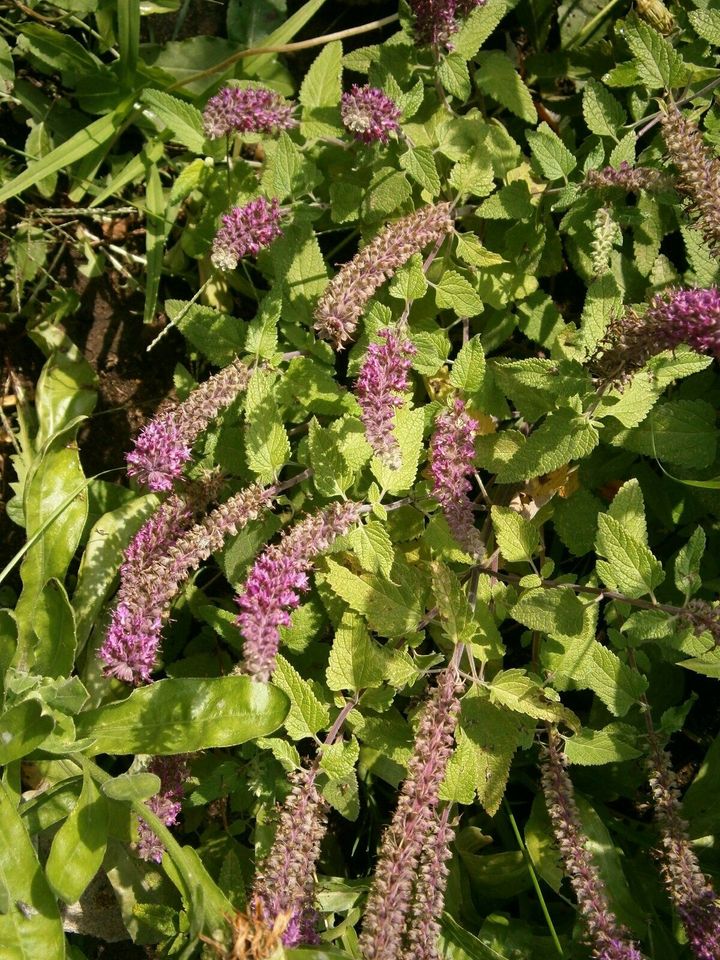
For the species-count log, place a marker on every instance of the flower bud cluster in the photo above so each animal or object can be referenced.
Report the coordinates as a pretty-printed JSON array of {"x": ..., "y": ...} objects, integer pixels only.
[
  {"x": 409, "y": 876},
  {"x": 345, "y": 297},
  {"x": 278, "y": 577},
  {"x": 246, "y": 110},
  {"x": 285, "y": 881},
  {"x": 163, "y": 447},
  {"x": 369, "y": 114}
]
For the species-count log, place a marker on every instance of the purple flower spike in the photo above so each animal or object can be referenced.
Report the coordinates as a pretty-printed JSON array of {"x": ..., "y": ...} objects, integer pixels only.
[
  {"x": 247, "y": 110},
  {"x": 369, "y": 114},
  {"x": 452, "y": 451},
  {"x": 285, "y": 881},
  {"x": 412, "y": 843},
  {"x": 163, "y": 447},
  {"x": 159, "y": 455},
  {"x": 166, "y": 804},
  {"x": 691, "y": 892},
  {"x": 606, "y": 936},
  {"x": 279, "y": 576},
  {"x": 380, "y": 388},
  {"x": 150, "y": 583},
  {"x": 687, "y": 316},
  {"x": 245, "y": 230}
]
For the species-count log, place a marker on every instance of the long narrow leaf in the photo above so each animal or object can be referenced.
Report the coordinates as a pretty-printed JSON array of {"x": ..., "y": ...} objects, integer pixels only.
[
  {"x": 128, "y": 12},
  {"x": 155, "y": 232},
  {"x": 78, "y": 146},
  {"x": 284, "y": 34}
]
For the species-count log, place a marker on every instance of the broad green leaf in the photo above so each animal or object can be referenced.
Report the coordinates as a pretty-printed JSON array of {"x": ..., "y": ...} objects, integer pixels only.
[
  {"x": 629, "y": 566},
  {"x": 602, "y": 304},
  {"x": 53, "y": 804},
  {"x": 282, "y": 168},
  {"x": 132, "y": 786},
  {"x": 420, "y": 164},
  {"x": 331, "y": 473},
  {"x": 498, "y": 78},
  {"x": 477, "y": 28},
  {"x": 563, "y": 437},
  {"x": 392, "y": 607},
  {"x": 681, "y": 432},
  {"x": 54, "y": 626},
  {"x": 454, "y": 292},
  {"x": 455, "y": 613},
  {"x": 306, "y": 714},
  {"x": 320, "y": 94},
  {"x": 182, "y": 119},
  {"x": 628, "y": 508},
  {"x": 55, "y": 51},
  {"x": 66, "y": 388},
  {"x": 603, "y": 113},
  {"x": 658, "y": 63},
  {"x": 517, "y": 538},
  {"x": 687, "y": 563},
  {"x": 31, "y": 928},
  {"x": 706, "y": 24},
  {"x": 300, "y": 269},
  {"x": 408, "y": 430},
  {"x": 372, "y": 546},
  {"x": 216, "y": 335},
  {"x": 338, "y": 760},
  {"x": 22, "y": 729},
  {"x": 555, "y": 160},
  {"x": 78, "y": 847},
  {"x": 356, "y": 661},
  {"x": 556, "y": 611},
  {"x": 52, "y": 480},
  {"x": 468, "y": 370},
  {"x": 410, "y": 282},
  {"x": 519, "y": 692},
  {"x": 453, "y": 74},
  {"x": 613, "y": 744},
  {"x": 266, "y": 441},
  {"x": 184, "y": 715}
]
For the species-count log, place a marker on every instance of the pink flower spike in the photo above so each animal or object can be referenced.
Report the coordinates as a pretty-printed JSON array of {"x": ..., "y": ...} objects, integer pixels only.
[
  {"x": 380, "y": 388},
  {"x": 452, "y": 451},
  {"x": 245, "y": 230}
]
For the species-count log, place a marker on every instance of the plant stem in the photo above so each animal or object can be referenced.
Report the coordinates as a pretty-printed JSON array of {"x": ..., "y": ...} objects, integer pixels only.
[
  {"x": 285, "y": 48},
  {"x": 533, "y": 877}
]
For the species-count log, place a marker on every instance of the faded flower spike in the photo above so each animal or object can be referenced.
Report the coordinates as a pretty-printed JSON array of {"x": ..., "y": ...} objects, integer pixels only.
[
  {"x": 607, "y": 938},
  {"x": 631, "y": 179},
  {"x": 131, "y": 645},
  {"x": 345, "y": 297},
  {"x": 452, "y": 452},
  {"x": 423, "y": 929},
  {"x": 691, "y": 892},
  {"x": 698, "y": 172},
  {"x": 246, "y": 110},
  {"x": 369, "y": 114},
  {"x": 437, "y": 20},
  {"x": 245, "y": 230},
  {"x": 164, "y": 445},
  {"x": 277, "y": 579},
  {"x": 380, "y": 388},
  {"x": 285, "y": 881},
  {"x": 166, "y": 805},
  {"x": 701, "y": 616},
  {"x": 413, "y": 833}
]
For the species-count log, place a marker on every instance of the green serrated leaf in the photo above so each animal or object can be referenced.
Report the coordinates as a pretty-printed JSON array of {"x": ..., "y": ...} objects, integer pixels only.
[
  {"x": 554, "y": 158},
  {"x": 603, "y": 113},
  {"x": 454, "y": 292},
  {"x": 658, "y": 63},
  {"x": 306, "y": 715},
  {"x": 498, "y": 78},
  {"x": 629, "y": 566},
  {"x": 517, "y": 538},
  {"x": 563, "y": 437}
]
